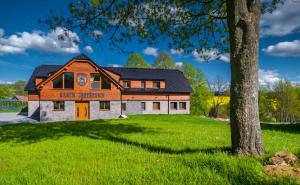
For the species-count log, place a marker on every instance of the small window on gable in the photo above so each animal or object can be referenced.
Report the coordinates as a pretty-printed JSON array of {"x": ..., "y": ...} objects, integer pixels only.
[
  {"x": 104, "y": 105},
  {"x": 57, "y": 82},
  {"x": 126, "y": 84},
  {"x": 105, "y": 82},
  {"x": 174, "y": 105},
  {"x": 95, "y": 80},
  {"x": 143, "y": 84},
  {"x": 156, "y": 85},
  {"x": 58, "y": 105},
  {"x": 64, "y": 81}
]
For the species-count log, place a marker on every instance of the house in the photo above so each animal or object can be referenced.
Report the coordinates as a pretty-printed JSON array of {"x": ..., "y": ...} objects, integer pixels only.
[
  {"x": 20, "y": 98},
  {"x": 83, "y": 90}
]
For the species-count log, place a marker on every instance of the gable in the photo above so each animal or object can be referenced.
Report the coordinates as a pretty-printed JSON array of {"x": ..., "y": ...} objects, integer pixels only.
[{"x": 78, "y": 67}]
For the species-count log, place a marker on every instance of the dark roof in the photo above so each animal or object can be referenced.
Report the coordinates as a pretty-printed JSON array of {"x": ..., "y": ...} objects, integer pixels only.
[
  {"x": 41, "y": 71},
  {"x": 174, "y": 79},
  {"x": 81, "y": 56}
]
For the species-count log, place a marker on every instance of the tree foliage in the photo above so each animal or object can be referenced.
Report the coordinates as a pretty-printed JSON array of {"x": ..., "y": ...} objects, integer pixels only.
[
  {"x": 10, "y": 90},
  {"x": 164, "y": 61},
  {"x": 201, "y": 94},
  {"x": 137, "y": 61}
]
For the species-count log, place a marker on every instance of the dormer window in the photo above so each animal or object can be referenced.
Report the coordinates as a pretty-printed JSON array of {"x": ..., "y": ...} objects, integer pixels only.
[
  {"x": 126, "y": 84},
  {"x": 64, "y": 81},
  {"x": 143, "y": 84},
  {"x": 156, "y": 85}
]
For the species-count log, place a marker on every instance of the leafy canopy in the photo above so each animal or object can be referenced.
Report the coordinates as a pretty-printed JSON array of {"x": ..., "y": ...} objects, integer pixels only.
[
  {"x": 137, "y": 61},
  {"x": 164, "y": 61}
]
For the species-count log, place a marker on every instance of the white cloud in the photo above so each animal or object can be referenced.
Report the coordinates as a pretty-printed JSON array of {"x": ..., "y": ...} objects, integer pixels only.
[
  {"x": 97, "y": 34},
  {"x": 284, "y": 20},
  {"x": 55, "y": 41},
  {"x": 284, "y": 49},
  {"x": 89, "y": 49},
  {"x": 177, "y": 51},
  {"x": 266, "y": 77},
  {"x": 114, "y": 65},
  {"x": 210, "y": 54},
  {"x": 179, "y": 64},
  {"x": 150, "y": 51},
  {"x": 6, "y": 82}
]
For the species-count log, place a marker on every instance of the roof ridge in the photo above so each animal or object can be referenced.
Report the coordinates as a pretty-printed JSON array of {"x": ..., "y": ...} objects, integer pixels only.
[{"x": 142, "y": 68}]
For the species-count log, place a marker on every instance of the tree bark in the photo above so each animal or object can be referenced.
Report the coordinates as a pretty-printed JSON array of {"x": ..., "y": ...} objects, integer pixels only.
[{"x": 243, "y": 21}]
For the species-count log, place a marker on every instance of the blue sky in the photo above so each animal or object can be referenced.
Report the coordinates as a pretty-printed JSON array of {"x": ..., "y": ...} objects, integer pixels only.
[{"x": 24, "y": 44}]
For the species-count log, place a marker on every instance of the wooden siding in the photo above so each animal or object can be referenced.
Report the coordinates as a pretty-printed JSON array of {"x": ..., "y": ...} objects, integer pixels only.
[{"x": 48, "y": 93}]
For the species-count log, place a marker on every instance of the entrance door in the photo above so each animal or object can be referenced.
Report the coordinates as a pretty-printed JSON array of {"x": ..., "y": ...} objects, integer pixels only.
[{"x": 82, "y": 110}]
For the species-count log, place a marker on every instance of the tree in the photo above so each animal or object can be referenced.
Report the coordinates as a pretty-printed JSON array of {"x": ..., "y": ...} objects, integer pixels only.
[
  {"x": 137, "y": 61},
  {"x": 220, "y": 89},
  {"x": 201, "y": 94},
  {"x": 288, "y": 102},
  {"x": 164, "y": 61},
  {"x": 194, "y": 26}
]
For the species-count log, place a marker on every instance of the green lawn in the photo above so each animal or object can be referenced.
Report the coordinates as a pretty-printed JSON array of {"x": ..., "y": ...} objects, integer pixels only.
[{"x": 162, "y": 149}]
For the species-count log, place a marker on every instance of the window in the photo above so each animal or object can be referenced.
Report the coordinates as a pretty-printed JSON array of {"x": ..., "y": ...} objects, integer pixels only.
[
  {"x": 64, "y": 81},
  {"x": 156, "y": 105},
  {"x": 59, "y": 105},
  {"x": 95, "y": 80},
  {"x": 182, "y": 105},
  {"x": 104, "y": 105},
  {"x": 126, "y": 84},
  {"x": 143, "y": 84},
  {"x": 57, "y": 82},
  {"x": 123, "y": 106},
  {"x": 174, "y": 105},
  {"x": 143, "y": 105},
  {"x": 69, "y": 80},
  {"x": 156, "y": 85},
  {"x": 105, "y": 82},
  {"x": 99, "y": 81}
]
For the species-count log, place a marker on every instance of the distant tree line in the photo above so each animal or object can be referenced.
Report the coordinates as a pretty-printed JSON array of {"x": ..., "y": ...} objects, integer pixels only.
[
  {"x": 281, "y": 103},
  {"x": 10, "y": 90}
]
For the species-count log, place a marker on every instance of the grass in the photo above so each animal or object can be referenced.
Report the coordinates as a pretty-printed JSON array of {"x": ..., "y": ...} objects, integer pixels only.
[{"x": 145, "y": 149}]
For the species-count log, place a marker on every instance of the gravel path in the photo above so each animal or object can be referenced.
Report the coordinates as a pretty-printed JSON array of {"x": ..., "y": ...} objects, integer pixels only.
[{"x": 14, "y": 118}]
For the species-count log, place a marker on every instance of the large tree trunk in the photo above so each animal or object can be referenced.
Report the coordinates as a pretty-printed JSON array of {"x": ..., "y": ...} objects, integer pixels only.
[{"x": 243, "y": 22}]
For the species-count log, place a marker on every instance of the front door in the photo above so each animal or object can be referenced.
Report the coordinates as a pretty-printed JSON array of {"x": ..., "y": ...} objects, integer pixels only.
[{"x": 82, "y": 110}]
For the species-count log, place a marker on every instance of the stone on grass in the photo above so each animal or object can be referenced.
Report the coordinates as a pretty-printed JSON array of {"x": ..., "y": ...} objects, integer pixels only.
[{"x": 283, "y": 164}]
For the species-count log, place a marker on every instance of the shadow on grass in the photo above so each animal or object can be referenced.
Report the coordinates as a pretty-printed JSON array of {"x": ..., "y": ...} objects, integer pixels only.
[
  {"x": 289, "y": 128},
  {"x": 159, "y": 149},
  {"x": 98, "y": 130}
]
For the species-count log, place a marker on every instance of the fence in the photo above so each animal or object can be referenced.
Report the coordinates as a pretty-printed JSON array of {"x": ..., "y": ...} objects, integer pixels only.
[{"x": 13, "y": 106}]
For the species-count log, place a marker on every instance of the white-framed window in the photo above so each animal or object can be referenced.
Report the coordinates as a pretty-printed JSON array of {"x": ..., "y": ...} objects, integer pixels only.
[
  {"x": 156, "y": 105},
  {"x": 173, "y": 105},
  {"x": 182, "y": 105},
  {"x": 156, "y": 85},
  {"x": 58, "y": 105},
  {"x": 143, "y": 105},
  {"x": 104, "y": 105}
]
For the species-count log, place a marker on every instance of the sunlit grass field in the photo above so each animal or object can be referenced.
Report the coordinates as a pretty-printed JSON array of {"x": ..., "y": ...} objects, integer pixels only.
[{"x": 144, "y": 149}]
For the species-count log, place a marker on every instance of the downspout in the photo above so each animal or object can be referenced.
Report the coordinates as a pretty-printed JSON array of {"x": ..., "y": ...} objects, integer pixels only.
[
  {"x": 168, "y": 104},
  {"x": 121, "y": 102},
  {"x": 39, "y": 105}
]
